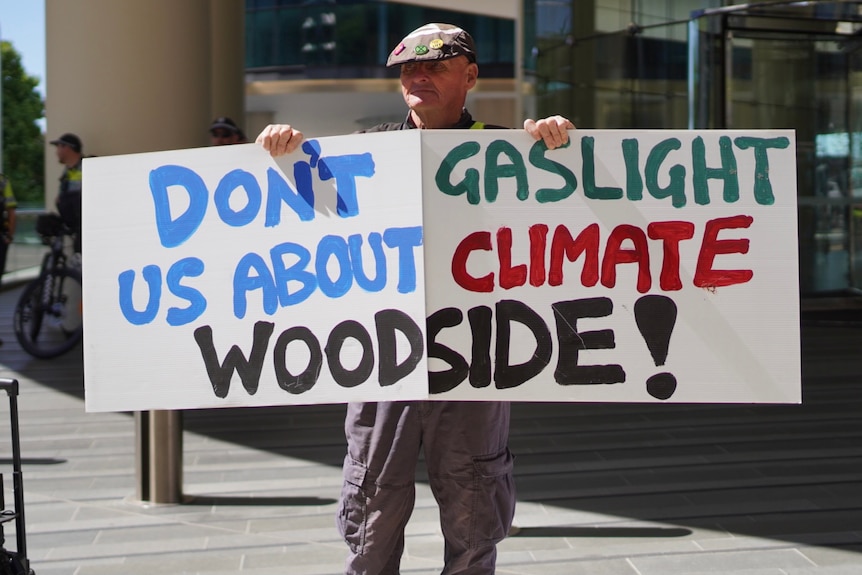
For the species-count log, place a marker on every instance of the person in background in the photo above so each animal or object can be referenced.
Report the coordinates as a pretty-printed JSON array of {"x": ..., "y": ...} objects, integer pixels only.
[
  {"x": 465, "y": 443},
  {"x": 70, "y": 152},
  {"x": 7, "y": 225},
  {"x": 224, "y": 131}
]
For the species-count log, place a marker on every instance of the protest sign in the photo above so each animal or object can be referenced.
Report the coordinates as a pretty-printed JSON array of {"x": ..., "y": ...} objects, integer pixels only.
[
  {"x": 627, "y": 266},
  {"x": 221, "y": 277}
]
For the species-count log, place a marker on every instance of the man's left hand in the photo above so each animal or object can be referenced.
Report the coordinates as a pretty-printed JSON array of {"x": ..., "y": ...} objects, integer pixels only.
[{"x": 552, "y": 130}]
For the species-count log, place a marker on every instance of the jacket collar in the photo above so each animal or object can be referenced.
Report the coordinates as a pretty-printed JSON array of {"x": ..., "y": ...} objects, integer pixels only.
[{"x": 464, "y": 122}]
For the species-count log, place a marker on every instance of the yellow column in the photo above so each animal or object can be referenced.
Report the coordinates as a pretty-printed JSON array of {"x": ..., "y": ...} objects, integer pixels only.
[{"x": 133, "y": 77}]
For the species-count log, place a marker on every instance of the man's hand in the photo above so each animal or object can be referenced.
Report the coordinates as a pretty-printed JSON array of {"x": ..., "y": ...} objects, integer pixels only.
[
  {"x": 552, "y": 130},
  {"x": 279, "y": 139}
]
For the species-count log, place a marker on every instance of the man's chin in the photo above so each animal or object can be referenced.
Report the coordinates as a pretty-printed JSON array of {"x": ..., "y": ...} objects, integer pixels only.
[{"x": 419, "y": 103}]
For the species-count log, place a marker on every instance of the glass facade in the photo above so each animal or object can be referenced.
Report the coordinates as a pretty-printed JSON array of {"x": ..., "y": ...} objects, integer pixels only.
[
  {"x": 641, "y": 64},
  {"x": 673, "y": 64},
  {"x": 351, "y": 39},
  {"x": 612, "y": 63}
]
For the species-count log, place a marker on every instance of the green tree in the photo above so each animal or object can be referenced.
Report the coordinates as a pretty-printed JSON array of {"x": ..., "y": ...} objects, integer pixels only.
[{"x": 23, "y": 142}]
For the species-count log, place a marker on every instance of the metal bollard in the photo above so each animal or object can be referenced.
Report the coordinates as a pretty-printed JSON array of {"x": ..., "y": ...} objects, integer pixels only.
[{"x": 159, "y": 456}]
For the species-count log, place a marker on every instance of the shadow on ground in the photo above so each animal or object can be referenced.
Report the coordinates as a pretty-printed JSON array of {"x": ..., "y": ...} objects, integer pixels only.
[{"x": 787, "y": 472}]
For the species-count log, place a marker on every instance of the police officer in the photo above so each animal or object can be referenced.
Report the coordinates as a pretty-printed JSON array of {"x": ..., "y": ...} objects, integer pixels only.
[
  {"x": 70, "y": 153},
  {"x": 465, "y": 443},
  {"x": 224, "y": 131}
]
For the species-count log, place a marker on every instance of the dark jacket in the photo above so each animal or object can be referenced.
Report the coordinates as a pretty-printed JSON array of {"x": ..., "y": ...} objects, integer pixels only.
[{"x": 466, "y": 122}]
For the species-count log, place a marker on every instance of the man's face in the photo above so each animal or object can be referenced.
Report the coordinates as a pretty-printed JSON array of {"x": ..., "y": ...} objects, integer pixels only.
[
  {"x": 438, "y": 85},
  {"x": 221, "y": 137},
  {"x": 64, "y": 153}
]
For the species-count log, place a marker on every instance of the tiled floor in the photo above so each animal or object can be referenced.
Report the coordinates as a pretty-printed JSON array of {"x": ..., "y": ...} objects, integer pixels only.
[{"x": 603, "y": 489}]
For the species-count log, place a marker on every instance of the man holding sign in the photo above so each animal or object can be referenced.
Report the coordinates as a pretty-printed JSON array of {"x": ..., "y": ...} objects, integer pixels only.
[{"x": 465, "y": 443}]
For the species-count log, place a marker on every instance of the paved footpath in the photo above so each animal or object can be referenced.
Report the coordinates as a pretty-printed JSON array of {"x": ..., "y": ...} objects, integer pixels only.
[{"x": 603, "y": 489}]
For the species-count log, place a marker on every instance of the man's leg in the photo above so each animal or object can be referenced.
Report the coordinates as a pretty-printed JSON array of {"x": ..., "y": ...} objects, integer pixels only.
[
  {"x": 470, "y": 469},
  {"x": 379, "y": 484}
]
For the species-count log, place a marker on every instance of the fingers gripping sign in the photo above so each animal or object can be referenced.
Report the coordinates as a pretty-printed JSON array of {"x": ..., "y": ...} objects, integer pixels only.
[
  {"x": 552, "y": 130},
  {"x": 280, "y": 139}
]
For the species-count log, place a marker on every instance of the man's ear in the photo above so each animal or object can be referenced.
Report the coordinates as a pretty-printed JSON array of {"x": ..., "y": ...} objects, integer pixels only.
[{"x": 472, "y": 74}]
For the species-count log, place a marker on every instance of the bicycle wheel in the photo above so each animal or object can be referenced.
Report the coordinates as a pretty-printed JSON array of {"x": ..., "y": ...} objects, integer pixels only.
[{"x": 48, "y": 320}]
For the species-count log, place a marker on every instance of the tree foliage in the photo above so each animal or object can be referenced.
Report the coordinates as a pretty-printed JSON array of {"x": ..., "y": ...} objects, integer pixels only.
[{"x": 23, "y": 142}]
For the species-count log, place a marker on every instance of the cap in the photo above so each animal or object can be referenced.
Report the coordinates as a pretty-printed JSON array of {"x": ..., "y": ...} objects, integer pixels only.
[
  {"x": 224, "y": 123},
  {"x": 70, "y": 140},
  {"x": 433, "y": 42}
]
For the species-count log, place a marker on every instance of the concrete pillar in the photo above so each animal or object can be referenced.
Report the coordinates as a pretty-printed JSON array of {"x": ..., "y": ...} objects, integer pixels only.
[{"x": 132, "y": 77}]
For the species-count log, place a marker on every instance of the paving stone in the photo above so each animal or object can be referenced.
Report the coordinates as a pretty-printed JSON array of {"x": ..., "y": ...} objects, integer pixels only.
[
  {"x": 837, "y": 554},
  {"x": 760, "y": 561},
  {"x": 602, "y": 567},
  {"x": 827, "y": 570}
]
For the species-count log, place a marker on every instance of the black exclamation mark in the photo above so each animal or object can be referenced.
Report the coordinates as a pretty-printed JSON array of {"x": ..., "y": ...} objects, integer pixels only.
[{"x": 656, "y": 316}]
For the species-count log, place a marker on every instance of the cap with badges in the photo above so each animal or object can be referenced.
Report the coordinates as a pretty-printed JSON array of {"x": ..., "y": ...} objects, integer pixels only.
[{"x": 433, "y": 42}]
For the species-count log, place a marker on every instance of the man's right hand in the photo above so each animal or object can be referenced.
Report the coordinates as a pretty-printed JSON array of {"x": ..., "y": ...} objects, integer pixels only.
[{"x": 279, "y": 139}]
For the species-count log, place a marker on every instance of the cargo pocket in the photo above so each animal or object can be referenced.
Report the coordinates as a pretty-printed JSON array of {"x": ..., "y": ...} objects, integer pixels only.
[
  {"x": 494, "y": 503},
  {"x": 352, "y": 513}
]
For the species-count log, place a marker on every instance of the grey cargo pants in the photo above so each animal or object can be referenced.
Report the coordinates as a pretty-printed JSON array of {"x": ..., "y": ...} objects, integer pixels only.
[{"x": 470, "y": 470}]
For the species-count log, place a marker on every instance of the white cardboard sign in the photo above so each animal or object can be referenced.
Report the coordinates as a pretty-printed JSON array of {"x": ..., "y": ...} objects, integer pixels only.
[
  {"x": 628, "y": 266},
  {"x": 219, "y": 277}
]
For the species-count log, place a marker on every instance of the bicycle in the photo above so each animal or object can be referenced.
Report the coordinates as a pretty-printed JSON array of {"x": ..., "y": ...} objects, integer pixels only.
[{"x": 48, "y": 317}]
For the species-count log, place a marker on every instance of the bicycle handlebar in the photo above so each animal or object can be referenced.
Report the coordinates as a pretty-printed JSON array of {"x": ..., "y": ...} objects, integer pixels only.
[{"x": 52, "y": 225}]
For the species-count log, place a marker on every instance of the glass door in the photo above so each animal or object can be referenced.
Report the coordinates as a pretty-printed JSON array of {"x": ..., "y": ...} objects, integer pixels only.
[
  {"x": 795, "y": 66},
  {"x": 788, "y": 79}
]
